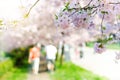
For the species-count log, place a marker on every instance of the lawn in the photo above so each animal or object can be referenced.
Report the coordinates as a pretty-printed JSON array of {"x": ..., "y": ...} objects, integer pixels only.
[
  {"x": 70, "y": 71},
  {"x": 15, "y": 74},
  {"x": 115, "y": 46}
]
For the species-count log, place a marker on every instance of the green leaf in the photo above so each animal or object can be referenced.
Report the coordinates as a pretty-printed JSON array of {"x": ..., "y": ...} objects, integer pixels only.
[
  {"x": 26, "y": 15},
  {"x": 102, "y": 41},
  {"x": 110, "y": 37},
  {"x": 118, "y": 16},
  {"x": 56, "y": 17},
  {"x": 103, "y": 28},
  {"x": 101, "y": 45},
  {"x": 104, "y": 12},
  {"x": 1, "y": 22},
  {"x": 66, "y": 6},
  {"x": 99, "y": 40}
]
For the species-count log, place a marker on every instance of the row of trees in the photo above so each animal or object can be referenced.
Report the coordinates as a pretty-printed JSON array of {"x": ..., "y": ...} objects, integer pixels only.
[{"x": 74, "y": 20}]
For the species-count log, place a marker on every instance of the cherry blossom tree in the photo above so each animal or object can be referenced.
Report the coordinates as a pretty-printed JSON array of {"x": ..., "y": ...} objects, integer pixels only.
[
  {"x": 35, "y": 24},
  {"x": 99, "y": 17}
]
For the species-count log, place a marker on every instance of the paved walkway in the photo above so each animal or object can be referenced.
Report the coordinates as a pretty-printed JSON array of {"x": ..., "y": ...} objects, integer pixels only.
[
  {"x": 40, "y": 76},
  {"x": 102, "y": 64}
]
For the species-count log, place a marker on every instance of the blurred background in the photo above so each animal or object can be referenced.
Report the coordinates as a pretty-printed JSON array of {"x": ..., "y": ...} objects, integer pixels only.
[{"x": 23, "y": 24}]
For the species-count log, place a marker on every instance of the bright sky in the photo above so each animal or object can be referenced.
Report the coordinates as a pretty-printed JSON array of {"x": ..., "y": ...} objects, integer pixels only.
[
  {"x": 9, "y": 9},
  {"x": 12, "y": 9}
]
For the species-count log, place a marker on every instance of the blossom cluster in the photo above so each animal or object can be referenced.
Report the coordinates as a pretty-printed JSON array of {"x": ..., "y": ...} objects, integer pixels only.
[
  {"x": 99, "y": 17},
  {"x": 99, "y": 48}
]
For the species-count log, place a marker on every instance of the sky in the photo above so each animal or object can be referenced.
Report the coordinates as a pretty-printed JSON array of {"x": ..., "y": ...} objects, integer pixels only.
[{"x": 10, "y": 9}]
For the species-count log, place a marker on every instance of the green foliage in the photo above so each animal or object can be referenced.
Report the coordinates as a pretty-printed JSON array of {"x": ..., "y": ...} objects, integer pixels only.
[
  {"x": 5, "y": 66},
  {"x": 104, "y": 12},
  {"x": 115, "y": 46},
  {"x": 118, "y": 16},
  {"x": 20, "y": 55},
  {"x": 56, "y": 17},
  {"x": 70, "y": 71},
  {"x": 10, "y": 72},
  {"x": 1, "y": 22},
  {"x": 105, "y": 40},
  {"x": 90, "y": 44},
  {"x": 66, "y": 6},
  {"x": 2, "y": 55},
  {"x": 26, "y": 15},
  {"x": 16, "y": 74},
  {"x": 43, "y": 52}
]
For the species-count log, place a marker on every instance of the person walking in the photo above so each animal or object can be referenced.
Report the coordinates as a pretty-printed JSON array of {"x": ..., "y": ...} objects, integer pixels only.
[
  {"x": 51, "y": 56},
  {"x": 34, "y": 58}
]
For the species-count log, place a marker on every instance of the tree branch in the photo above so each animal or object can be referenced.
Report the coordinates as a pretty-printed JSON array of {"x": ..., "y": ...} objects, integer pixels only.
[
  {"x": 72, "y": 13},
  {"x": 114, "y": 3},
  {"x": 94, "y": 12},
  {"x": 32, "y": 7},
  {"x": 102, "y": 24},
  {"x": 89, "y": 3},
  {"x": 84, "y": 8}
]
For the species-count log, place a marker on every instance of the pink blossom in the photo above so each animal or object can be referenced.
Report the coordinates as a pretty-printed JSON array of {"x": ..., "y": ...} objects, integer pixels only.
[
  {"x": 63, "y": 21},
  {"x": 108, "y": 29},
  {"x": 99, "y": 48},
  {"x": 109, "y": 17},
  {"x": 91, "y": 26},
  {"x": 117, "y": 56},
  {"x": 118, "y": 36},
  {"x": 80, "y": 20},
  {"x": 74, "y": 4},
  {"x": 118, "y": 26},
  {"x": 117, "y": 9}
]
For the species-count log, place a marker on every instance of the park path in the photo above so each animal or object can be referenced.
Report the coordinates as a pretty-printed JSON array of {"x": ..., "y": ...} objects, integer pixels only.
[
  {"x": 43, "y": 74},
  {"x": 102, "y": 64},
  {"x": 40, "y": 76}
]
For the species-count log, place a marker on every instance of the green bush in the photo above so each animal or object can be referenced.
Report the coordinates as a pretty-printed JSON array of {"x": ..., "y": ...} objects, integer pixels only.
[
  {"x": 20, "y": 56},
  {"x": 15, "y": 73},
  {"x": 5, "y": 66}
]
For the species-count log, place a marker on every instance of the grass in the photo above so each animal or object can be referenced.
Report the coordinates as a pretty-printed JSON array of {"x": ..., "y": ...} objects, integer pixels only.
[
  {"x": 115, "y": 46},
  {"x": 15, "y": 74},
  {"x": 70, "y": 71}
]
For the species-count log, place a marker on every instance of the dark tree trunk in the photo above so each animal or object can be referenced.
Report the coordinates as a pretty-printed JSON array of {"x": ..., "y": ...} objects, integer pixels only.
[{"x": 61, "y": 57}]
